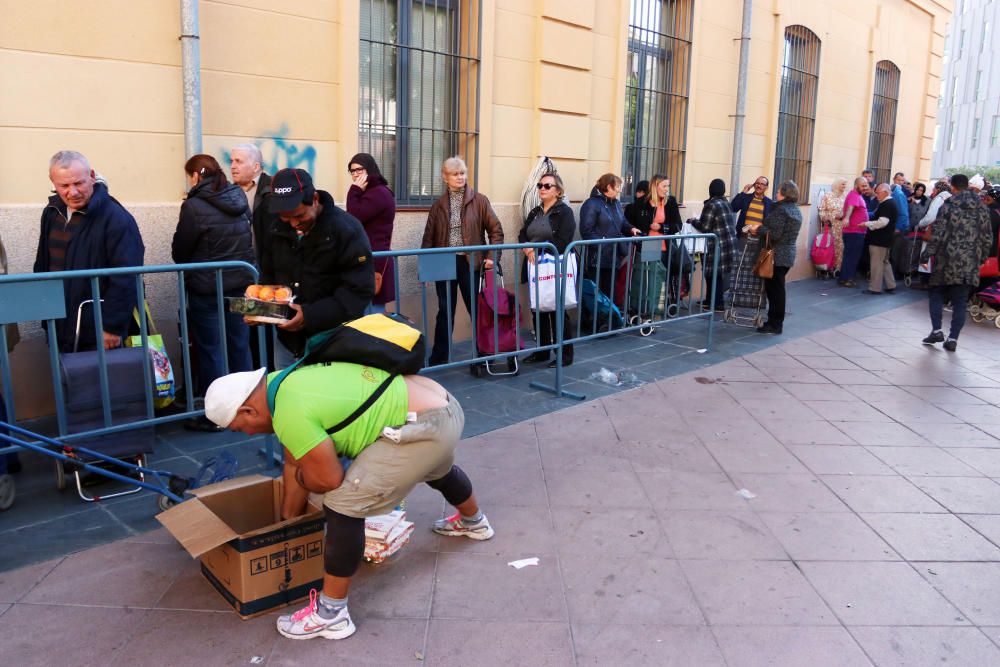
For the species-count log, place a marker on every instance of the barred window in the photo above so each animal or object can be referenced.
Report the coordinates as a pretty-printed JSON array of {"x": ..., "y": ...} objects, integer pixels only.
[
  {"x": 883, "y": 127},
  {"x": 658, "y": 81},
  {"x": 797, "y": 110},
  {"x": 977, "y": 126},
  {"x": 418, "y": 98}
]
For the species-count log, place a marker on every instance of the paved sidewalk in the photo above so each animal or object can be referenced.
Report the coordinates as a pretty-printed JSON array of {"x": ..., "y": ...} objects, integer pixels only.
[{"x": 869, "y": 533}]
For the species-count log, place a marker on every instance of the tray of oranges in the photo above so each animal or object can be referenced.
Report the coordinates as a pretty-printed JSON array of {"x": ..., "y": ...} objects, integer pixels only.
[{"x": 267, "y": 304}]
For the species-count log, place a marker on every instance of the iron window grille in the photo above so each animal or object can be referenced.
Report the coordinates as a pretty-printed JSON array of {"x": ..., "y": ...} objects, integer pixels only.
[
  {"x": 797, "y": 110},
  {"x": 885, "y": 101},
  {"x": 658, "y": 82},
  {"x": 418, "y": 98}
]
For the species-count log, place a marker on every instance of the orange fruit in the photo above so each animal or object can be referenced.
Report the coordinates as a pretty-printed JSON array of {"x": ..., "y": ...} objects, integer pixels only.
[
  {"x": 282, "y": 294},
  {"x": 266, "y": 293},
  {"x": 252, "y": 291}
]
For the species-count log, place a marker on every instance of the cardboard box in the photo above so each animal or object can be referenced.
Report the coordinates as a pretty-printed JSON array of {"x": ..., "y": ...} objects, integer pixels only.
[{"x": 255, "y": 560}]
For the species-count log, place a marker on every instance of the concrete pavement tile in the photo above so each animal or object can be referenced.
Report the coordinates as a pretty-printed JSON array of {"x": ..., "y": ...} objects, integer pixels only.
[
  {"x": 828, "y": 363},
  {"x": 923, "y": 462},
  {"x": 975, "y": 414},
  {"x": 639, "y": 645},
  {"x": 729, "y": 429},
  {"x": 747, "y": 593},
  {"x": 788, "y": 493},
  {"x": 820, "y": 392},
  {"x": 912, "y": 378},
  {"x": 376, "y": 642},
  {"x": 963, "y": 494},
  {"x": 518, "y": 531},
  {"x": 119, "y": 574},
  {"x": 602, "y": 454},
  {"x": 650, "y": 456},
  {"x": 510, "y": 486},
  {"x": 460, "y": 643},
  {"x": 741, "y": 391},
  {"x": 870, "y": 593},
  {"x": 644, "y": 427},
  {"x": 855, "y": 377},
  {"x": 720, "y": 535},
  {"x": 932, "y": 537},
  {"x": 789, "y": 376},
  {"x": 788, "y": 408},
  {"x": 789, "y": 646},
  {"x": 157, "y": 536},
  {"x": 602, "y": 530},
  {"x": 986, "y": 461},
  {"x": 679, "y": 490},
  {"x": 484, "y": 587},
  {"x": 587, "y": 488},
  {"x": 887, "y": 434},
  {"x": 738, "y": 372},
  {"x": 880, "y": 493},
  {"x": 972, "y": 587},
  {"x": 192, "y": 591},
  {"x": 582, "y": 427},
  {"x": 398, "y": 588},
  {"x": 988, "y": 525},
  {"x": 15, "y": 584},
  {"x": 870, "y": 393},
  {"x": 913, "y": 414},
  {"x": 797, "y": 432},
  {"x": 220, "y": 638},
  {"x": 909, "y": 647},
  {"x": 969, "y": 380},
  {"x": 989, "y": 395},
  {"x": 84, "y": 636},
  {"x": 844, "y": 411},
  {"x": 945, "y": 395},
  {"x": 627, "y": 590},
  {"x": 754, "y": 457},
  {"x": 827, "y": 536},
  {"x": 840, "y": 460},
  {"x": 73, "y": 531},
  {"x": 772, "y": 358},
  {"x": 958, "y": 435},
  {"x": 500, "y": 449}
]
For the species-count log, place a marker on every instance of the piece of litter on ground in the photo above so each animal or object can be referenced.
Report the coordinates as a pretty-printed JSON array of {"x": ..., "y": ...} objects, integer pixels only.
[
  {"x": 418, "y": 655},
  {"x": 746, "y": 493},
  {"x": 257, "y": 660},
  {"x": 702, "y": 350},
  {"x": 524, "y": 562},
  {"x": 822, "y": 294}
]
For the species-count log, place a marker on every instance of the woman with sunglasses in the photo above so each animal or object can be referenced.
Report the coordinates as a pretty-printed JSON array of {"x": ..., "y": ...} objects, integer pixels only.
[
  {"x": 372, "y": 202},
  {"x": 551, "y": 221}
]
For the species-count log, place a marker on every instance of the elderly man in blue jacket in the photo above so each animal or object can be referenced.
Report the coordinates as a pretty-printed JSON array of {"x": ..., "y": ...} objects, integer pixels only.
[{"x": 84, "y": 227}]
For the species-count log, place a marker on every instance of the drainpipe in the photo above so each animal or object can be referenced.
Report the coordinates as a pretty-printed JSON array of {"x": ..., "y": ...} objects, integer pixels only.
[
  {"x": 741, "y": 100},
  {"x": 191, "y": 73}
]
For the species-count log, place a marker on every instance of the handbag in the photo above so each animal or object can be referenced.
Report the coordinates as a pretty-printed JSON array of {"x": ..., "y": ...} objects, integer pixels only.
[
  {"x": 163, "y": 373},
  {"x": 990, "y": 268},
  {"x": 764, "y": 266}
]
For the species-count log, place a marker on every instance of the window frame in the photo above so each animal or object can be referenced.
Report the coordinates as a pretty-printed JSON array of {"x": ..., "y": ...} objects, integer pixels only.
[
  {"x": 882, "y": 129},
  {"x": 671, "y": 48},
  {"x": 797, "y": 126},
  {"x": 459, "y": 134}
]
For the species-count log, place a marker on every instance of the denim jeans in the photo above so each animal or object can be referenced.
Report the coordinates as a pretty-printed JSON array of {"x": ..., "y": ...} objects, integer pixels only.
[
  {"x": 958, "y": 295},
  {"x": 203, "y": 318},
  {"x": 854, "y": 245}
]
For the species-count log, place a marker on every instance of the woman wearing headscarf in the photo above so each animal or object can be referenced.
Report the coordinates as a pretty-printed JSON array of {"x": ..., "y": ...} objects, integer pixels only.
[
  {"x": 717, "y": 218},
  {"x": 372, "y": 202},
  {"x": 919, "y": 202},
  {"x": 831, "y": 212}
]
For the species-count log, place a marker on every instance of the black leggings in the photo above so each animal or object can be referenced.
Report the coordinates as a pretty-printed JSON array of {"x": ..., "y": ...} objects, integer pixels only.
[{"x": 345, "y": 535}]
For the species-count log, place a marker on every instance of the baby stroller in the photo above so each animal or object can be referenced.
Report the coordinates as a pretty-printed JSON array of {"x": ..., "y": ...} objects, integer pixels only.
[
  {"x": 746, "y": 294},
  {"x": 907, "y": 261},
  {"x": 496, "y": 325},
  {"x": 985, "y": 304},
  {"x": 599, "y": 313}
]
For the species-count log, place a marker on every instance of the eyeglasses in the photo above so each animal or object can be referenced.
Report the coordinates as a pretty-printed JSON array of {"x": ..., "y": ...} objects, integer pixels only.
[
  {"x": 761, "y": 183},
  {"x": 358, "y": 170},
  {"x": 545, "y": 186}
]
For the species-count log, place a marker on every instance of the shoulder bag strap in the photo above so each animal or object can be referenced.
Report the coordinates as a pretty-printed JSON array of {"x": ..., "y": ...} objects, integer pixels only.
[{"x": 363, "y": 408}]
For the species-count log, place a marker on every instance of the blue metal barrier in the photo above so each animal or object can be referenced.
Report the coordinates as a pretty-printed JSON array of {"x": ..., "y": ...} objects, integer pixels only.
[{"x": 40, "y": 296}]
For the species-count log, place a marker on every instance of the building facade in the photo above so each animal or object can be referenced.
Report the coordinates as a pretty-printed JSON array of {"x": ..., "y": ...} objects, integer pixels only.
[{"x": 968, "y": 128}]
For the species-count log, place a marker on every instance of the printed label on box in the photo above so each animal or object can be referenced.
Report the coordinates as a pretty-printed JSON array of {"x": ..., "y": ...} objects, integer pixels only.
[{"x": 258, "y": 565}]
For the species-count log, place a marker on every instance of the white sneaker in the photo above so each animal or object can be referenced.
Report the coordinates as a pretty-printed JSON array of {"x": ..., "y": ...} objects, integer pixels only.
[
  {"x": 453, "y": 526},
  {"x": 306, "y": 623}
]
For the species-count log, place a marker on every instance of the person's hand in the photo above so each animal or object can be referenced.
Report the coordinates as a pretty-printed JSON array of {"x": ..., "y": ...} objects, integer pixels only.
[
  {"x": 247, "y": 320},
  {"x": 655, "y": 227},
  {"x": 361, "y": 180},
  {"x": 488, "y": 264},
  {"x": 111, "y": 341},
  {"x": 754, "y": 230},
  {"x": 530, "y": 254},
  {"x": 298, "y": 322},
  {"x": 636, "y": 232},
  {"x": 748, "y": 188}
]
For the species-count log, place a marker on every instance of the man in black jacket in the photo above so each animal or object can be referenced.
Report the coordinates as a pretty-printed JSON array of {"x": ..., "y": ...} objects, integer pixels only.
[
  {"x": 879, "y": 242},
  {"x": 84, "y": 227},
  {"x": 322, "y": 253}
]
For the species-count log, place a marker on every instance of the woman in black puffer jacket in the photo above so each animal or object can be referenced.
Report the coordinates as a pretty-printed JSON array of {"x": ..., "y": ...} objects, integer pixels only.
[{"x": 214, "y": 226}]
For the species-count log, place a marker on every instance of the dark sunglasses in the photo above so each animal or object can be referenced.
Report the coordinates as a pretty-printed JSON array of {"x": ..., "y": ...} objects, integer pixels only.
[{"x": 545, "y": 186}]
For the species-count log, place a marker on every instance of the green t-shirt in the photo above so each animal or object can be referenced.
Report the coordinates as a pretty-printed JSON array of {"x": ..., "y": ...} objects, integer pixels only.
[{"x": 316, "y": 397}]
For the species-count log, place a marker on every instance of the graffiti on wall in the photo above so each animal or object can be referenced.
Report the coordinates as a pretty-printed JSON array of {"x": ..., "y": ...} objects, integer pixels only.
[{"x": 279, "y": 153}]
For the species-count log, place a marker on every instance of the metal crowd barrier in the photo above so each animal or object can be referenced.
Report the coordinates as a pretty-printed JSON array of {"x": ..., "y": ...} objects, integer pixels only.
[{"x": 41, "y": 297}]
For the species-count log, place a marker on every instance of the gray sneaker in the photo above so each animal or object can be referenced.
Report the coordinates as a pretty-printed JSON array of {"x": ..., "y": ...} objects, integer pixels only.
[
  {"x": 453, "y": 526},
  {"x": 306, "y": 623}
]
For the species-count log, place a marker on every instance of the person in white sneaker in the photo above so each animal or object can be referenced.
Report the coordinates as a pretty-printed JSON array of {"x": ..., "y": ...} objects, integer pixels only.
[{"x": 405, "y": 436}]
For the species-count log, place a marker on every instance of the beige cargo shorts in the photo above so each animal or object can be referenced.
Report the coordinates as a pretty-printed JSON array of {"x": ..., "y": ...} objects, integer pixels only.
[{"x": 386, "y": 471}]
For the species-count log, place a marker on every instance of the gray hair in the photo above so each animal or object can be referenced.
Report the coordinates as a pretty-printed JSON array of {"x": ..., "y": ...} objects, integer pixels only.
[
  {"x": 454, "y": 163},
  {"x": 789, "y": 191},
  {"x": 253, "y": 150},
  {"x": 883, "y": 185},
  {"x": 65, "y": 159}
]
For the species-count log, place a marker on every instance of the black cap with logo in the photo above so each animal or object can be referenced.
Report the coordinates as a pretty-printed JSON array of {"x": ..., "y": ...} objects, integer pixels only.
[{"x": 290, "y": 188}]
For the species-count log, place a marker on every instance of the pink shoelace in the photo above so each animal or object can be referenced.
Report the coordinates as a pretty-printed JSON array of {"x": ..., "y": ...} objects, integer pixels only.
[{"x": 309, "y": 609}]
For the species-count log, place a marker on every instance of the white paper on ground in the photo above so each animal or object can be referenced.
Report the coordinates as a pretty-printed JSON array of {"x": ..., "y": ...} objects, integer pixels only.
[
  {"x": 702, "y": 350},
  {"x": 525, "y": 562},
  {"x": 745, "y": 493}
]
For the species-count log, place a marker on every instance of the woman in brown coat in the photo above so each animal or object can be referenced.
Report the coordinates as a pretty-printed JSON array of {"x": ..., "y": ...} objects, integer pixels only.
[{"x": 460, "y": 217}]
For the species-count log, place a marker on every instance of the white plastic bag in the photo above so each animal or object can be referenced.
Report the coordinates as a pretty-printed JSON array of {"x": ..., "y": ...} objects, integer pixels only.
[
  {"x": 694, "y": 246},
  {"x": 544, "y": 275}
]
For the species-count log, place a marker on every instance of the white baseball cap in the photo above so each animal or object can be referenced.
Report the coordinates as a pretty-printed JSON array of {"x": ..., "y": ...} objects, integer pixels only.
[{"x": 226, "y": 394}]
